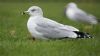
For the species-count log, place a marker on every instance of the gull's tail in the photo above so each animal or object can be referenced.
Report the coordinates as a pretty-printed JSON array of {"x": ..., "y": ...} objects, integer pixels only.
[
  {"x": 83, "y": 35},
  {"x": 79, "y": 35}
]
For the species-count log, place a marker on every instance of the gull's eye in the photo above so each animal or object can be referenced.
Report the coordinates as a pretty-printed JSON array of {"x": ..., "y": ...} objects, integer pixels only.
[{"x": 33, "y": 10}]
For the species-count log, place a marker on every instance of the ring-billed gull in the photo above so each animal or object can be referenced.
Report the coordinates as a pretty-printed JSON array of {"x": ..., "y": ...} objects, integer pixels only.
[
  {"x": 44, "y": 28},
  {"x": 76, "y": 14}
]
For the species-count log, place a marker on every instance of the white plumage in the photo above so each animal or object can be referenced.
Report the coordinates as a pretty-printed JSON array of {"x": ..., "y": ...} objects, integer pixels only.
[
  {"x": 76, "y": 14},
  {"x": 44, "y": 28}
]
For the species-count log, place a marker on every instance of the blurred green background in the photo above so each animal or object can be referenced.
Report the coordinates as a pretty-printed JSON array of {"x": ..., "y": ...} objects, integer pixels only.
[
  {"x": 15, "y": 40},
  {"x": 50, "y": 0}
]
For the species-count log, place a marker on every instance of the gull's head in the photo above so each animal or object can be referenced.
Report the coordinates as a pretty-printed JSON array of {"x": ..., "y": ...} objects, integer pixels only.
[
  {"x": 34, "y": 11},
  {"x": 71, "y": 5}
]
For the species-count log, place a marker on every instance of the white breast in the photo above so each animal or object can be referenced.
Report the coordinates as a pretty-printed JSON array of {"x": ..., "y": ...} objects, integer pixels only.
[
  {"x": 31, "y": 27},
  {"x": 70, "y": 13}
]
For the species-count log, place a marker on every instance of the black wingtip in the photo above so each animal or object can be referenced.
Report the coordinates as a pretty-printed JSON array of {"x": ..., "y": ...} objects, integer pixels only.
[{"x": 83, "y": 35}]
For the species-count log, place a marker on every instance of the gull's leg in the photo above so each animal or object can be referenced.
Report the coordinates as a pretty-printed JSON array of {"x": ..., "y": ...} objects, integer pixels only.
[{"x": 31, "y": 38}]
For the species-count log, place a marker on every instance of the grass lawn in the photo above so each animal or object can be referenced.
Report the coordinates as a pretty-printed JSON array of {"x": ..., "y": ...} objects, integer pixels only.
[{"x": 14, "y": 36}]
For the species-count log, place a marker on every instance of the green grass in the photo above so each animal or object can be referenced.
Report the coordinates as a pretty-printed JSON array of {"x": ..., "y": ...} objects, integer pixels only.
[{"x": 14, "y": 36}]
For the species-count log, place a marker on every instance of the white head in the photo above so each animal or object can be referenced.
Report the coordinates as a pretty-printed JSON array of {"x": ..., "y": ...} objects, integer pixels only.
[
  {"x": 71, "y": 5},
  {"x": 34, "y": 11}
]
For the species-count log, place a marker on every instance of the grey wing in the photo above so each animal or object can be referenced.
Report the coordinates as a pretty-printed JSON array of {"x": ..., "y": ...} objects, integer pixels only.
[
  {"x": 84, "y": 17},
  {"x": 51, "y": 31},
  {"x": 81, "y": 15},
  {"x": 71, "y": 28}
]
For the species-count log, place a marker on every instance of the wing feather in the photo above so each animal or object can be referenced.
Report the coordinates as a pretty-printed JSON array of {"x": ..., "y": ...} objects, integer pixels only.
[{"x": 52, "y": 29}]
